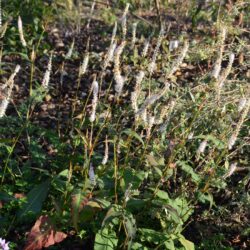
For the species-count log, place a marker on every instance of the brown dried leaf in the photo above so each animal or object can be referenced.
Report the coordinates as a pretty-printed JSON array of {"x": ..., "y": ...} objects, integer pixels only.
[{"x": 43, "y": 234}]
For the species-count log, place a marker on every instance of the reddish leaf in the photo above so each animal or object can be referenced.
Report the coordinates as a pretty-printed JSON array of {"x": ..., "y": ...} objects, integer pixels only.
[
  {"x": 43, "y": 234},
  {"x": 19, "y": 195}
]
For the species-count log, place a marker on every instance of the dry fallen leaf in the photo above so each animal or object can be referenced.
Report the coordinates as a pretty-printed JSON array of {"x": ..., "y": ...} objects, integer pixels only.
[{"x": 43, "y": 234}]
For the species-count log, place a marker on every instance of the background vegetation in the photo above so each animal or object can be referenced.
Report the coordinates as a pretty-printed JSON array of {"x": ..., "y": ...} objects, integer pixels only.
[{"x": 126, "y": 126}]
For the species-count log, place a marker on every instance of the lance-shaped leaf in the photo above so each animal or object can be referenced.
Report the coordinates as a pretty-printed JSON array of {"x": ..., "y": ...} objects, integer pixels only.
[{"x": 35, "y": 199}]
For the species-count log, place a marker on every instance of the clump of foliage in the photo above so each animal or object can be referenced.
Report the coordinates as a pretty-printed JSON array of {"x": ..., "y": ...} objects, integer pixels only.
[{"x": 131, "y": 163}]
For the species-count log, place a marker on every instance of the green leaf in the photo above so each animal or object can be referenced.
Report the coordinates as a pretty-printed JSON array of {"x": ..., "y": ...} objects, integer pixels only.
[
  {"x": 174, "y": 214},
  {"x": 204, "y": 198},
  {"x": 35, "y": 199},
  {"x": 183, "y": 209},
  {"x": 169, "y": 244},
  {"x": 132, "y": 133},
  {"x": 105, "y": 240},
  {"x": 161, "y": 194},
  {"x": 152, "y": 236},
  {"x": 114, "y": 211},
  {"x": 130, "y": 225},
  {"x": 104, "y": 203},
  {"x": 138, "y": 246},
  {"x": 189, "y": 170},
  {"x": 136, "y": 204},
  {"x": 133, "y": 177},
  {"x": 218, "y": 143},
  {"x": 79, "y": 200},
  {"x": 186, "y": 243},
  {"x": 64, "y": 173},
  {"x": 152, "y": 161},
  {"x": 6, "y": 197}
]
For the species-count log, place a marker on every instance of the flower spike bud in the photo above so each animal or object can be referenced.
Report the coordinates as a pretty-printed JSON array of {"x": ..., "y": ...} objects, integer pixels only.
[
  {"x": 202, "y": 147},
  {"x": 150, "y": 100},
  {"x": 173, "y": 44},
  {"x": 136, "y": 92},
  {"x": 106, "y": 154},
  {"x": 20, "y": 30},
  {"x": 231, "y": 170},
  {"x": 92, "y": 174},
  {"x": 125, "y": 12},
  {"x": 113, "y": 33},
  {"x": 222, "y": 78},
  {"x": 3, "y": 107},
  {"x": 46, "y": 78},
  {"x": 234, "y": 136},
  {"x": 9, "y": 85},
  {"x": 242, "y": 104},
  {"x": 95, "y": 88},
  {"x": 119, "y": 79},
  {"x": 124, "y": 27},
  {"x": 151, "y": 122},
  {"x": 134, "y": 34},
  {"x": 70, "y": 52},
  {"x": 109, "y": 56},
  {"x": 128, "y": 193},
  {"x": 84, "y": 65},
  {"x": 124, "y": 21},
  {"x": 152, "y": 64},
  {"x": 217, "y": 66},
  {"x": 145, "y": 48},
  {"x": 13, "y": 75},
  {"x": 176, "y": 64},
  {"x": 91, "y": 13}
]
